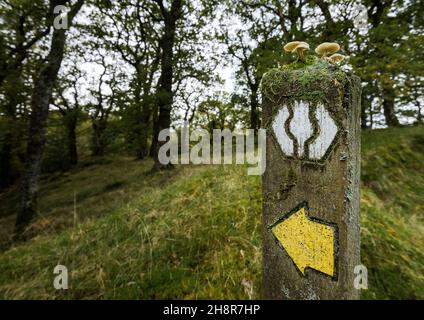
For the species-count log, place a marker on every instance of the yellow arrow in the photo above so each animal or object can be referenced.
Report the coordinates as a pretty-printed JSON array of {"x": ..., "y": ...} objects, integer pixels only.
[{"x": 308, "y": 243}]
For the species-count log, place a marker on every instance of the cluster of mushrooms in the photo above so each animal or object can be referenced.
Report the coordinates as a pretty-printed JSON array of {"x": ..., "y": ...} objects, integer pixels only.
[{"x": 327, "y": 51}]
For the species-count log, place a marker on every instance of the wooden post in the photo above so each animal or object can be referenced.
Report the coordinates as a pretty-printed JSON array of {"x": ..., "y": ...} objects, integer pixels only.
[{"x": 311, "y": 183}]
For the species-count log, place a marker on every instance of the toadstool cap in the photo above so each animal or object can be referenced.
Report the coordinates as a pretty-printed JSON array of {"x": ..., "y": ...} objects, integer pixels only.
[
  {"x": 289, "y": 47},
  {"x": 301, "y": 46},
  {"x": 336, "y": 58},
  {"x": 327, "y": 48}
]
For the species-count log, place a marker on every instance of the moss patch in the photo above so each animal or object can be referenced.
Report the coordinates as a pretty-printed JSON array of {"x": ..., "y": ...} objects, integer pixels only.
[{"x": 310, "y": 80}]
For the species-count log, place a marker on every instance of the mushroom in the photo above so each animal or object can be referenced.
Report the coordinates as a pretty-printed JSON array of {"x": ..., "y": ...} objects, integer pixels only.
[
  {"x": 327, "y": 48},
  {"x": 336, "y": 58},
  {"x": 297, "y": 46},
  {"x": 291, "y": 45}
]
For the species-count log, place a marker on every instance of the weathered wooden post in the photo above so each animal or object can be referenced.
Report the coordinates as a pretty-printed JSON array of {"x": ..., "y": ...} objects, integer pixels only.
[{"x": 311, "y": 184}]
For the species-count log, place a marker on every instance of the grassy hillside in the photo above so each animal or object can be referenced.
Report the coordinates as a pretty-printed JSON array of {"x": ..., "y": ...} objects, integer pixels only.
[
  {"x": 195, "y": 232},
  {"x": 392, "y": 212}
]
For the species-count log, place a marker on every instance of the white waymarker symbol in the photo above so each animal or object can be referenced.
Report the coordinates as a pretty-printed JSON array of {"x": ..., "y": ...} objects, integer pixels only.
[{"x": 301, "y": 128}]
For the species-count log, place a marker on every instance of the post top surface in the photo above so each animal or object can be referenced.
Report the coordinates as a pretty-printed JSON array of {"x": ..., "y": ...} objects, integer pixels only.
[{"x": 311, "y": 80}]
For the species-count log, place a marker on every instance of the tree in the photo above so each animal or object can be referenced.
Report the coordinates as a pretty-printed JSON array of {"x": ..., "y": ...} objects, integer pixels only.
[
  {"x": 127, "y": 28},
  {"x": 20, "y": 20},
  {"x": 107, "y": 97},
  {"x": 216, "y": 113},
  {"x": 40, "y": 104},
  {"x": 179, "y": 24},
  {"x": 170, "y": 16},
  {"x": 22, "y": 28},
  {"x": 384, "y": 53},
  {"x": 255, "y": 48},
  {"x": 67, "y": 101}
]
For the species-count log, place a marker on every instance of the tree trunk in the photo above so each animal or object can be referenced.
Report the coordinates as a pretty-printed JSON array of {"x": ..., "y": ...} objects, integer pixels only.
[
  {"x": 389, "y": 106},
  {"x": 146, "y": 110},
  {"x": 144, "y": 113},
  {"x": 6, "y": 178},
  {"x": 254, "y": 108},
  {"x": 98, "y": 142},
  {"x": 139, "y": 134},
  {"x": 40, "y": 103},
  {"x": 153, "y": 146},
  {"x": 7, "y": 173},
  {"x": 165, "y": 95},
  {"x": 143, "y": 148},
  {"x": 419, "y": 115},
  {"x": 330, "y": 26},
  {"x": 72, "y": 139}
]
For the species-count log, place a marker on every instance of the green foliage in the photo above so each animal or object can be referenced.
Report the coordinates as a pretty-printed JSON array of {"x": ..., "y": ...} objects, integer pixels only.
[
  {"x": 216, "y": 114},
  {"x": 56, "y": 156}
]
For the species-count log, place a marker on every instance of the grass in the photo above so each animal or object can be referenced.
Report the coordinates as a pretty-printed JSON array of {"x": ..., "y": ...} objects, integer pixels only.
[
  {"x": 392, "y": 211},
  {"x": 195, "y": 232},
  {"x": 193, "y": 235}
]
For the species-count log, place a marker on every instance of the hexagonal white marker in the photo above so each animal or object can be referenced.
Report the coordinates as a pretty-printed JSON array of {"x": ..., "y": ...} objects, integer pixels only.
[{"x": 301, "y": 128}]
